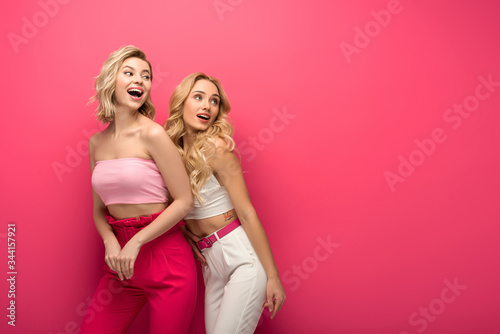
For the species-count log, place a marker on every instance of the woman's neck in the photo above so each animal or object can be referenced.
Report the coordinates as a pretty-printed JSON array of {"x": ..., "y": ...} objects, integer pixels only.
[
  {"x": 188, "y": 140},
  {"x": 124, "y": 119}
]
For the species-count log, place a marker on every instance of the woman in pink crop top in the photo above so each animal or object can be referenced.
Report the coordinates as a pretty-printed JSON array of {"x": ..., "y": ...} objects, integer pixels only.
[
  {"x": 240, "y": 273},
  {"x": 133, "y": 162}
]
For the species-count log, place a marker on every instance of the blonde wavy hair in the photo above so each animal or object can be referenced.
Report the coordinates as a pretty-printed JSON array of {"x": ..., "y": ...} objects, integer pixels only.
[
  {"x": 204, "y": 145},
  {"x": 105, "y": 84}
]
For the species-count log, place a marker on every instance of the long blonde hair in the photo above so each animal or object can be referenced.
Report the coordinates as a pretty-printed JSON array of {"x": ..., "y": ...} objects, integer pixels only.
[
  {"x": 204, "y": 145},
  {"x": 105, "y": 84}
]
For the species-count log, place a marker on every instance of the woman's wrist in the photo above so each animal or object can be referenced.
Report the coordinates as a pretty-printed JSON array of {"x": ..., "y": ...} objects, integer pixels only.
[
  {"x": 107, "y": 240},
  {"x": 273, "y": 276},
  {"x": 136, "y": 240}
]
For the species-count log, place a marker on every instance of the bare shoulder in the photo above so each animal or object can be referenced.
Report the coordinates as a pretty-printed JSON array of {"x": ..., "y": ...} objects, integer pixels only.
[
  {"x": 223, "y": 157},
  {"x": 154, "y": 131},
  {"x": 95, "y": 139},
  {"x": 94, "y": 142},
  {"x": 156, "y": 139},
  {"x": 220, "y": 144}
]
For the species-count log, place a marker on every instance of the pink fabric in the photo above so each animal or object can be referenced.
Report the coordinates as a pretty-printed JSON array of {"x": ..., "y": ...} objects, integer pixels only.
[
  {"x": 164, "y": 277},
  {"x": 129, "y": 181}
]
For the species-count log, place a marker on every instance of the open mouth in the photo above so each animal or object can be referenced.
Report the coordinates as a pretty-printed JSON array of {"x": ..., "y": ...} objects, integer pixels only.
[
  {"x": 203, "y": 117},
  {"x": 135, "y": 92}
]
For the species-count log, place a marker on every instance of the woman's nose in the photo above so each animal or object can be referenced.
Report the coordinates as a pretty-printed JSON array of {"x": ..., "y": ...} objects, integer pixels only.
[
  {"x": 206, "y": 105},
  {"x": 138, "y": 79}
]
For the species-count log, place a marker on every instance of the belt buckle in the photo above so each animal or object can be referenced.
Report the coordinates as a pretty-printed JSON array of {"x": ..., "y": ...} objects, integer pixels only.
[{"x": 204, "y": 243}]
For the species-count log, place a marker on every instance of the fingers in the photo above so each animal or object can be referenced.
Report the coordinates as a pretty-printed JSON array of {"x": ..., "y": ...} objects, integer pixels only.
[
  {"x": 269, "y": 301},
  {"x": 110, "y": 261},
  {"x": 123, "y": 265},
  {"x": 132, "y": 264},
  {"x": 191, "y": 235},
  {"x": 197, "y": 254},
  {"x": 129, "y": 268},
  {"x": 278, "y": 304},
  {"x": 114, "y": 264},
  {"x": 126, "y": 267},
  {"x": 193, "y": 239},
  {"x": 275, "y": 310},
  {"x": 275, "y": 301}
]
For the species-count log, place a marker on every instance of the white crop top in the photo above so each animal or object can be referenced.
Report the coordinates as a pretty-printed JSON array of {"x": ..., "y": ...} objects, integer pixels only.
[{"x": 216, "y": 201}]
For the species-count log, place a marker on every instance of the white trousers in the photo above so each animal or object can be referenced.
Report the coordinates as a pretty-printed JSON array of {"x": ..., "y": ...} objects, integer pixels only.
[{"x": 235, "y": 285}]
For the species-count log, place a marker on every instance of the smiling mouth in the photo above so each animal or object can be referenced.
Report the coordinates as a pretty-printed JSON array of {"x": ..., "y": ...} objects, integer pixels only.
[
  {"x": 135, "y": 92},
  {"x": 203, "y": 117}
]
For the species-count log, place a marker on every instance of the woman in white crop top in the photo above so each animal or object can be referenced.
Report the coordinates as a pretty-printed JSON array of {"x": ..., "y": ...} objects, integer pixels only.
[
  {"x": 135, "y": 167},
  {"x": 240, "y": 274}
]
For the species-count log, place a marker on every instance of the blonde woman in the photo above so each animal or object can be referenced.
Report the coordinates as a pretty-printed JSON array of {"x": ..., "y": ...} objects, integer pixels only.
[
  {"x": 240, "y": 274},
  {"x": 135, "y": 166}
]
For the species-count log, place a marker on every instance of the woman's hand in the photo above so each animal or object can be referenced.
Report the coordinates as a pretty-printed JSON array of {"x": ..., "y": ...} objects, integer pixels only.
[
  {"x": 113, "y": 250},
  {"x": 126, "y": 259},
  {"x": 275, "y": 295},
  {"x": 192, "y": 240}
]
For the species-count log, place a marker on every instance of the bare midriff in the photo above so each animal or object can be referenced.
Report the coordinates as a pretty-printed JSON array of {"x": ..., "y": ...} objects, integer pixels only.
[
  {"x": 207, "y": 226},
  {"x": 124, "y": 211}
]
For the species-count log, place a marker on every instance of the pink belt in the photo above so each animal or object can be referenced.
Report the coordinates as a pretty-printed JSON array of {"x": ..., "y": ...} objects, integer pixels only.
[{"x": 208, "y": 241}]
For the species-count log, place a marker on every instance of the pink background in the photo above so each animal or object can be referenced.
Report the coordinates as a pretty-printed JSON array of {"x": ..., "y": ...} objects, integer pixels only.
[{"x": 368, "y": 230}]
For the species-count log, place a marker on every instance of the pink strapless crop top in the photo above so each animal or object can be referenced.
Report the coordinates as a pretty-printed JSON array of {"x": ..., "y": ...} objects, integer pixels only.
[{"x": 129, "y": 181}]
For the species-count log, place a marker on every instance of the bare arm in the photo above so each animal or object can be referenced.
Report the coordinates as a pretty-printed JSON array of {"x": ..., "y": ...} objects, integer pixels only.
[
  {"x": 228, "y": 168},
  {"x": 170, "y": 164},
  {"x": 99, "y": 214}
]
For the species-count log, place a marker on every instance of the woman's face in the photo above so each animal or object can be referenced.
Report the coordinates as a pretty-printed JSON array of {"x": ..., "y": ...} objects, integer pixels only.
[
  {"x": 133, "y": 84},
  {"x": 201, "y": 106}
]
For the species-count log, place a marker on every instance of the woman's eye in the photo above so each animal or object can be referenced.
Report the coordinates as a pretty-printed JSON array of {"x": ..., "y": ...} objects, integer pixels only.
[
  {"x": 128, "y": 73},
  {"x": 215, "y": 102},
  {"x": 146, "y": 77},
  {"x": 198, "y": 97}
]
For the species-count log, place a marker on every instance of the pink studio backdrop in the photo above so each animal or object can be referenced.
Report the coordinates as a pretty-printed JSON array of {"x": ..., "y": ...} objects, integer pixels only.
[{"x": 368, "y": 133}]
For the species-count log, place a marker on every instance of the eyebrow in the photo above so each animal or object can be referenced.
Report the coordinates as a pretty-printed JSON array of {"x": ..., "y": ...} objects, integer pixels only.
[
  {"x": 134, "y": 68},
  {"x": 200, "y": 91}
]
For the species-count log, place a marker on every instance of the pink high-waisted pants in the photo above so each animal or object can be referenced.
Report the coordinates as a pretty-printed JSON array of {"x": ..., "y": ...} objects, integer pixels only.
[{"x": 164, "y": 276}]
